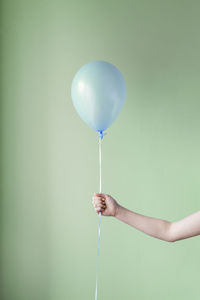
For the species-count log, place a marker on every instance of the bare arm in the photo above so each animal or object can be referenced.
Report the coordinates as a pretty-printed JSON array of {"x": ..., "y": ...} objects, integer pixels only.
[
  {"x": 158, "y": 228},
  {"x": 185, "y": 228},
  {"x": 161, "y": 229}
]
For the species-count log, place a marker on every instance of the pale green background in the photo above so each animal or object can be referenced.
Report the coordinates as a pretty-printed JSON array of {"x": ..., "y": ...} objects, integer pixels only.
[{"x": 49, "y": 157}]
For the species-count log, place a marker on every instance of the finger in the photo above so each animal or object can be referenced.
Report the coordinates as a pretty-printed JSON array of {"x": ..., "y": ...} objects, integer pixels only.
[
  {"x": 97, "y": 210},
  {"x": 99, "y": 207},
  {"x": 98, "y": 199},
  {"x": 98, "y": 194},
  {"x": 97, "y": 203},
  {"x": 94, "y": 201},
  {"x": 102, "y": 207}
]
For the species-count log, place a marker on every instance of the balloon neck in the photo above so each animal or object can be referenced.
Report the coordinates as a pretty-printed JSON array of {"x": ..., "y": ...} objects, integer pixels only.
[{"x": 101, "y": 134}]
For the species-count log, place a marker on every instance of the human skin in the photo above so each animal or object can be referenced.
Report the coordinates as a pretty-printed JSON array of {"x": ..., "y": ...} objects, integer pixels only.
[{"x": 157, "y": 228}]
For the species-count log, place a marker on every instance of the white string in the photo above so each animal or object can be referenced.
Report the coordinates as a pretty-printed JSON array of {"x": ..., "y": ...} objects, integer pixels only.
[
  {"x": 99, "y": 227},
  {"x": 99, "y": 165}
]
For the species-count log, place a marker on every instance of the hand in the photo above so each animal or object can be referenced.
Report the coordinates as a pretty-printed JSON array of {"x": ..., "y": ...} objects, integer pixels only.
[{"x": 106, "y": 204}]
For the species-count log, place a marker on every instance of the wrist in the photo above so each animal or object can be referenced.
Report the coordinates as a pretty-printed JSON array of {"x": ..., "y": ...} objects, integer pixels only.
[{"x": 117, "y": 211}]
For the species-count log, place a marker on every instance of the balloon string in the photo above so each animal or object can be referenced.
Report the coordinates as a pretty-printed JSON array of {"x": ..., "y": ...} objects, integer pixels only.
[
  {"x": 99, "y": 226},
  {"x": 100, "y": 164}
]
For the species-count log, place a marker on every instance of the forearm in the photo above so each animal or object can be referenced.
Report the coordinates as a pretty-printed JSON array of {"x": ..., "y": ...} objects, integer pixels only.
[{"x": 152, "y": 226}]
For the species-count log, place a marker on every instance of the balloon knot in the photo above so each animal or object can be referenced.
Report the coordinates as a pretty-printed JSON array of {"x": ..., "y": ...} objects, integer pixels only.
[{"x": 101, "y": 134}]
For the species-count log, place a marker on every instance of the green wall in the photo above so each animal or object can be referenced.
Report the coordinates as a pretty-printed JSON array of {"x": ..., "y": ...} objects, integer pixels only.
[{"x": 49, "y": 157}]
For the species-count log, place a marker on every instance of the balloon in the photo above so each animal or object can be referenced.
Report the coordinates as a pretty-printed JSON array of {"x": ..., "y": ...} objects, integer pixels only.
[{"x": 98, "y": 94}]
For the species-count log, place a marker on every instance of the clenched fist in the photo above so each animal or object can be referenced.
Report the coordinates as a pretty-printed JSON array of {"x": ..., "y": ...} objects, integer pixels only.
[{"x": 106, "y": 204}]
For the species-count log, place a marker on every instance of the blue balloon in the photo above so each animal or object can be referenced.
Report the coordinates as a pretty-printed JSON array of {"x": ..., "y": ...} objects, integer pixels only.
[{"x": 98, "y": 94}]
